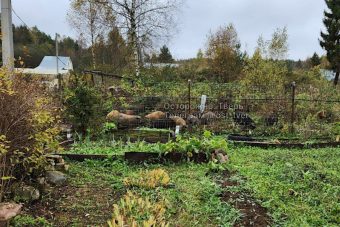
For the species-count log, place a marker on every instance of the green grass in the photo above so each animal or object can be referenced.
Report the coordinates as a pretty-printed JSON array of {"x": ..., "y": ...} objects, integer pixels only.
[
  {"x": 193, "y": 198},
  {"x": 113, "y": 148},
  {"x": 27, "y": 220},
  {"x": 299, "y": 187},
  {"x": 206, "y": 143}
]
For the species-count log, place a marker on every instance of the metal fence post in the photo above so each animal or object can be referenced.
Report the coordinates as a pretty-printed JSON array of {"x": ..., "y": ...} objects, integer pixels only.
[
  {"x": 189, "y": 102},
  {"x": 292, "y": 117},
  {"x": 189, "y": 96}
]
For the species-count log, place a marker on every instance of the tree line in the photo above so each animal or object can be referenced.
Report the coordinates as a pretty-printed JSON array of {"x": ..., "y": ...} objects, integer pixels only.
[{"x": 120, "y": 36}]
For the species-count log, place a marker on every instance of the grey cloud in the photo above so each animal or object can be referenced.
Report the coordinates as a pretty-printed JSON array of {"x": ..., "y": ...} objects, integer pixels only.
[{"x": 251, "y": 18}]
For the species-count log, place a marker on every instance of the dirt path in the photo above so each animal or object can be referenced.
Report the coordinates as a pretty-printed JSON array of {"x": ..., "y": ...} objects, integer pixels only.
[
  {"x": 252, "y": 213},
  {"x": 86, "y": 205}
]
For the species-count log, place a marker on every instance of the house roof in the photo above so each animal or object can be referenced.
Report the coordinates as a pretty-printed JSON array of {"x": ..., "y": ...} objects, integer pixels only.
[
  {"x": 328, "y": 74},
  {"x": 48, "y": 66}
]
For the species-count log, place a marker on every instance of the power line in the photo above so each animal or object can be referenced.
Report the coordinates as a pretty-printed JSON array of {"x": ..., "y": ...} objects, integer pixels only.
[{"x": 30, "y": 29}]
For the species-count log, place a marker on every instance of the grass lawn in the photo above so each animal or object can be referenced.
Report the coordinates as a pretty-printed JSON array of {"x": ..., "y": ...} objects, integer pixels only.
[
  {"x": 94, "y": 186},
  {"x": 295, "y": 188},
  {"x": 299, "y": 187}
]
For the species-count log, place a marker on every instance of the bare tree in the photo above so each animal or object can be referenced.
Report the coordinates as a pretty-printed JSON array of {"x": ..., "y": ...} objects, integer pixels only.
[
  {"x": 89, "y": 18},
  {"x": 142, "y": 22}
]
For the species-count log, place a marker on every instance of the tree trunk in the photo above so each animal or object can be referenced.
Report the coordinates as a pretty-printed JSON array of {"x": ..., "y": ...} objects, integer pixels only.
[
  {"x": 136, "y": 57},
  {"x": 92, "y": 28},
  {"x": 93, "y": 56},
  {"x": 135, "y": 46},
  {"x": 336, "y": 79},
  {"x": 134, "y": 38}
]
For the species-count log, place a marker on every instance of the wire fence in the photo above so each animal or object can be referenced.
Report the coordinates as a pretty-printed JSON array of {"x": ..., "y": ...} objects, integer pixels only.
[{"x": 257, "y": 114}]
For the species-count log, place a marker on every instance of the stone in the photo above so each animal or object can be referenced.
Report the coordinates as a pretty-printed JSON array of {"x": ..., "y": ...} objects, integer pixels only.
[
  {"x": 8, "y": 211},
  {"x": 52, "y": 156},
  {"x": 25, "y": 193},
  {"x": 56, "y": 177},
  {"x": 221, "y": 156},
  {"x": 66, "y": 167},
  {"x": 41, "y": 180},
  {"x": 62, "y": 167}
]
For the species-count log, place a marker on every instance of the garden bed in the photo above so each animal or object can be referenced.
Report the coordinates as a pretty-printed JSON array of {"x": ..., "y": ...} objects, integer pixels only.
[
  {"x": 193, "y": 149},
  {"x": 140, "y": 157},
  {"x": 83, "y": 157},
  {"x": 148, "y": 135},
  {"x": 94, "y": 186},
  {"x": 291, "y": 145},
  {"x": 174, "y": 157},
  {"x": 281, "y": 142}
]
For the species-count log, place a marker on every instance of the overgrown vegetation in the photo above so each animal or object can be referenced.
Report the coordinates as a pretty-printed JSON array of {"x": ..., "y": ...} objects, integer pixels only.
[
  {"x": 184, "y": 144},
  {"x": 28, "y": 128},
  {"x": 298, "y": 187},
  {"x": 83, "y": 107},
  {"x": 192, "y": 197},
  {"x": 261, "y": 94}
]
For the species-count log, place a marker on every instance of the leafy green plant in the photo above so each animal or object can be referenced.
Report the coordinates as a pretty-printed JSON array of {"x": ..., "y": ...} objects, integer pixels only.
[
  {"x": 29, "y": 221},
  {"x": 189, "y": 145},
  {"x": 184, "y": 144},
  {"x": 109, "y": 127}
]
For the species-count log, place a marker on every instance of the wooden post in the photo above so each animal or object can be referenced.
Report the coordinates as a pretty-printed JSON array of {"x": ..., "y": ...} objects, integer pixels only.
[{"x": 292, "y": 117}]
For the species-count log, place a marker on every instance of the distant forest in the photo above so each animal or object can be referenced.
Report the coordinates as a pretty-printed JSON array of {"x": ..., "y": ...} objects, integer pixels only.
[
  {"x": 112, "y": 53},
  {"x": 31, "y": 45}
]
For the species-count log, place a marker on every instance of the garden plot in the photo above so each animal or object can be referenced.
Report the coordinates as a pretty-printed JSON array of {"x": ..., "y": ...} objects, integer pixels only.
[{"x": 257, "y": 187}]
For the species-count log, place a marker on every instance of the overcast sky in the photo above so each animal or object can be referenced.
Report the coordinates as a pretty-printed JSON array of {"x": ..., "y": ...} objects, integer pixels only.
[{"x": 251, "y": 18}]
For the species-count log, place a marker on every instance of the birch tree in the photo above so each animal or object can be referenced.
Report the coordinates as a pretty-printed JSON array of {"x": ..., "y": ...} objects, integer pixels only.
[
  {"x": 143, "y": 22},
  {"x": 89, "y": 19},
  {"x": 276, "y": 48}
]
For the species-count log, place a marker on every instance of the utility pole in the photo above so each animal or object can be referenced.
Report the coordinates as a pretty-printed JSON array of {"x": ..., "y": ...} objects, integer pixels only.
[
  {"x": 7, "y": 34},
  {"x": 57, "y": 52},
  {"x": 57, "y": 60}
]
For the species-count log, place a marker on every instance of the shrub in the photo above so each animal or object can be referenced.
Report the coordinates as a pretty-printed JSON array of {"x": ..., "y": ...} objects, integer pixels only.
[
  {"x": 109, "y": 127},
  {"x": 264, "y": 75},
  {"x": 28, "y": 128},
  {"x": 206, "y": 143},
  {"x": 149, "y": 179},
  {"x": 136, "y": 211},
  {"x": 83, "y": 107}
]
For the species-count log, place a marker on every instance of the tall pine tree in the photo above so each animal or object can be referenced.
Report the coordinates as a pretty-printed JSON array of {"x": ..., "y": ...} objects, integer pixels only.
[
  {"x": 315, "y": 60},
  {"x": 165, "y": 55},
  {"x": 330, "y": 40}
]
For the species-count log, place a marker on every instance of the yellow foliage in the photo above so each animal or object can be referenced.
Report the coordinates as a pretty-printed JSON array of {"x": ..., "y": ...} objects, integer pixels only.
[
  {"x": 44, "y": 123},
  {"x": 5, "y": 82},
  {"x": 135, "y": 211},
  {"x": 263, "y": 74},
  {"x": 3, "y": 145},
  {"x": 34, "y": 129},
  {"x": 149, "y": 179}
]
